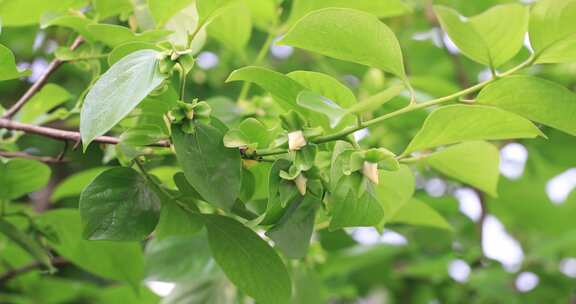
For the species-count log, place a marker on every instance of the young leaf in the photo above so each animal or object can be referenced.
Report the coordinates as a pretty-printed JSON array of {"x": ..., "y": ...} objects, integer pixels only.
[
  {"x": 26, "y": 242},
  {"x": 118, "y": 92},
  {"x": 114, "y": 35},
  {"x": 394, "y": 190},
  {"x": 49, "y": 97},
  {"x": 119, "y": 205},
  {"x": 292, "y": 233},
  {"x": 475, "y": 163},
  {"x": 281, "y": 192},
  {"x": 337, "y": 32},
  {"x": 28, "y": 12},
  {"x": 163, "y": 10},
  {"x": 284, "y": 90},
  {"x": 20, "y": 176},
  {"x": 124, "y": 49},
  {"x": 8, "y": 68},
  {"x": 320, "y": 104},
  {"x": 376, "y": 101},
  {"x": 491, "y": 38},
  {"x": 537, "y": 99},
  {"x": 418, "y": 213},
  {"x": 248, "y": 261},
  {"x": 210, "y": 9},
  {"x": 458, "y": 123},
  {"x": 553, "y": 31},
  {"x": 113, "y": 260},
  {"x": 211, "y": 168},
  {"x": 108, "y": 8}
]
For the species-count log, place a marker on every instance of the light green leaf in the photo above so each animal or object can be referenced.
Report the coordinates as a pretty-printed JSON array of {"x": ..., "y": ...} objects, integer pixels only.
[
  {"x": 320, "y": 104},
  {"x": 124, "y": 49},
  {"x": 418, "y": 213},
  {"x": 250, "y": 132},
  {"x": 475, "y": 163},
  {"x": 113, "y": 260},
  {"x": 26, "y": 242},
  {"x": 20, "y": 176},
  {"x": 458, "y": 123},
  {"x": 264, "y": 13},
  {"x": 232, "y": 27},
  {"x": 293, "y": 232},
  {"x": 49, "y": 97},
  {"x": 212, "y": 169},
  {"x": 119, "y": 205},
  {"x": 248, "y": 261},
  {"x": 163, "y": 10},
  {"x": 210, "y": 9},
  {"x": 394, "y": 190},
  {"x": 382, "y": 8},
  {"x": 174, "y": 259},
  {"x": 28, "y": 12},
  {"x": 183, "y": 24},
  {"x": 537, "y": 99},
  {"x": 117, "y": 92},
  {"x": 74, "y": 184},
  {"x": 8, "y": 69},
  {"x": 68, "y": 20},
  {"x": 553, "y": 31},
  {"x": 114, "y": 35},
  {"x": 337, "y": 32},
  {"x": 108, "y": 8},
  {"x": 491, "y": 38},
  {"x": 376, "y": 101},
  {"x": 325, "y": 85},
  {"x": 284, "y": 90}
]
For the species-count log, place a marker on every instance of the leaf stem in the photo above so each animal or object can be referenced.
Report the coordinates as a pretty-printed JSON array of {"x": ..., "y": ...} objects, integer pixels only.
[
  {"x": 410, "y": 108},
  {"x": 182, "y": 86}
]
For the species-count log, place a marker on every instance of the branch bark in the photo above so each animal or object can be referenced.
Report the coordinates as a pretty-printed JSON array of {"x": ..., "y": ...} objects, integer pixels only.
[
  {"x": 7, "y": 276},
  {"x": 52, "y": 67},
  {"x": 62, "y": 134},
  {"x": 44, "y": 159}
]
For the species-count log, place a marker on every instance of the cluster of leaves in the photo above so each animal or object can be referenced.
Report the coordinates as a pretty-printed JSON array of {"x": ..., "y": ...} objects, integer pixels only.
[{"x": 226, "y": 197}]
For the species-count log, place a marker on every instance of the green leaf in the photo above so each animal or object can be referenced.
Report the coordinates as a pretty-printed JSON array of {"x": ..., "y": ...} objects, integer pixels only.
[
  {"x": 183, "y": 24},
  {"x": 248, "y": 261},
  {"x": 387, "y": 8},
  {"x": 8, "y": 68},
  {"x": 284, "y": 90},
  {"x": 250, "y": 132},
  {"x": 210, "y": 9},
  {"x": 26, "y": 242},
  {"x": 293, "y": 232},
  {"x": 320, "y": 104},
  {"x": 394, "y": 190},
  {"x": 74, "y": 184},
  {"x": 232, "y": 27},
  {"x": 175, "y": 221},
  {"x": 537, "y": 99},
  {"x": 68, "y": 20},
  {"x": 124, "y": 49},
  {"x": 280, "y": 192},
  {"x": 491, "y": 38},
  {"x": 28, "y": 12},
  {"x": 264, "y": 13},
  {"x": 108, "y": 8},
  {"x": 376, "y": 101},
  {"x": 20, "y": 176},
  {"x": 475, "y": 163},
  {"x": 325, "y": 85},
  {"x": 114, "y": 35},
  {"x": 418, "y": 213},
  {"x": 174, "y": 259},
  {"x": 113, "y": 260},
  {"x": 163, "y": 10},
  {"x": 119, "y": 205},
  {"x": 337, "y": 32},
  {"x": 49, "y": 97},
  {"x": 118, "y": 92},
  {"x": 553, "y": 31},
  {"x": 458, "y": 123},
  {"x": 212, "y": 169}
]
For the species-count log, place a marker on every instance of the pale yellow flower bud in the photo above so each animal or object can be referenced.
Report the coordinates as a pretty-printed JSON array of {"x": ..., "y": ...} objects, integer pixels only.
[
  {"x": 370, "y": 170},
  {"x": 296, "y": 140}
]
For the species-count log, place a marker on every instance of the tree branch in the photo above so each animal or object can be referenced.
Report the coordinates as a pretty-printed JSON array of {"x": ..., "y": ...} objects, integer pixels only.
[
  {"x": 52, "y": 67},
  {"x": 62, "y": 134},
  {"x": 7, "y": 276},
  {"x": 44, "y": 159}
]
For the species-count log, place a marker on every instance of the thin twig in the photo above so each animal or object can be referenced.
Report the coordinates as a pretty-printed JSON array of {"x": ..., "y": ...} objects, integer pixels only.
[
  {"x": 5, "y": 277},
  {"x": 44, "y": 159},
  {"x": 52, "y": 67},
  {"x": 62, "y": 134}
]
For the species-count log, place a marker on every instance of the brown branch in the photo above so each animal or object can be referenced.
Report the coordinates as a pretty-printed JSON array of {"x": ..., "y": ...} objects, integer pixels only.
[
  {"x": 5, "y": 277},
  {"x": 62, "y": 134},
  {"x": 44, "y": 159},
  {"x": 52, "y": 67}
]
